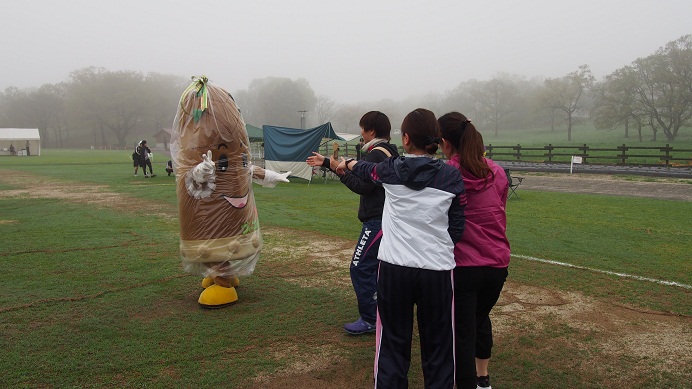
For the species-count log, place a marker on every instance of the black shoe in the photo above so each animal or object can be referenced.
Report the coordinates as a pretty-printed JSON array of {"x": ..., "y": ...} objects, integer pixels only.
[{"x": 483, "y": 382}]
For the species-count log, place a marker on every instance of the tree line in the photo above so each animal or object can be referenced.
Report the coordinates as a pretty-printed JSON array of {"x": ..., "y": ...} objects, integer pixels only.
[{"x": 99, "y": 107}]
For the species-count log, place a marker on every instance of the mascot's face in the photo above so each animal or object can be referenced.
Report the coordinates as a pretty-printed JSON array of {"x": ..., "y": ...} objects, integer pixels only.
[
  {"x": 223, "y": 205},
  {"x": 233, "y": 175}
]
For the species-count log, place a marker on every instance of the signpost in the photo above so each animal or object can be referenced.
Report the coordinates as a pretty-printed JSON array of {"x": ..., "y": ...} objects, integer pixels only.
[{"x": 575, "y": 159}]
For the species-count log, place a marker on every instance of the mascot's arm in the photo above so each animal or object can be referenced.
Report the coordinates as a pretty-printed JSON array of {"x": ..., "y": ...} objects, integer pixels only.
[{"x": 268, "y": 178}]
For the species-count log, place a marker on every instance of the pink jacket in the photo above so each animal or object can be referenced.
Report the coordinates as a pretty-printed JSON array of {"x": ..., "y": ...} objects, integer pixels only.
[{"x": 484, "y": 242}]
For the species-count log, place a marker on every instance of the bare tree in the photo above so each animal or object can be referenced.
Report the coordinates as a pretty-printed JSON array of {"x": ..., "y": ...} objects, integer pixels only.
[
  {"x": 665, "y": 86},
  {"x": 615, "y": 100},
  {"x": 276, "y": 101},
  {"x": 49, "y": 105},
  {"x": 324, "y": 109},
  {"x": 163, "y": 96},
  {"x": 16, "y": 108},
  {"x": 466, "y": 98},
  {"x": 565, "y": 93},
  {"x": 347, "y": 117},
  {"x": 498, "y": 99},
  {"x": 113, "y": 101}
]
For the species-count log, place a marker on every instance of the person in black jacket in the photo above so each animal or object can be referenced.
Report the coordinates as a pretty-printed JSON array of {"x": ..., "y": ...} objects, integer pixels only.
[
  {"x": 375, "y": 130},
  {"x": 169, "y": 167},
  {"x": 137, "y": 157},
  {"x": 145, "y": 159}
]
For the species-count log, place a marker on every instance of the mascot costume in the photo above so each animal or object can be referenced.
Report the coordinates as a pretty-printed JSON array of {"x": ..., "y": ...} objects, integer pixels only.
[{"x": 220, "y": 237}]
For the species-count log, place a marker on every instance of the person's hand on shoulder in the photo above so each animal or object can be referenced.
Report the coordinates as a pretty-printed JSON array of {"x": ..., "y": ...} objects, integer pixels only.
[
  {"x": 334, "y": 165},
  {"x": 342, "y": 164}
]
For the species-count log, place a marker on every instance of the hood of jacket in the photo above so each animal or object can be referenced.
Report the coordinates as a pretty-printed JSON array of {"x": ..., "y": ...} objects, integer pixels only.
[
  {"x": 473, "y": 183},
  {"x": 417, "y": 172}
]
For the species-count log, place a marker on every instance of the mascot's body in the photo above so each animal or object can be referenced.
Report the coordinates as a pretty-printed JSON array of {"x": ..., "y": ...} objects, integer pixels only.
[{"x": 220, "y": 237}]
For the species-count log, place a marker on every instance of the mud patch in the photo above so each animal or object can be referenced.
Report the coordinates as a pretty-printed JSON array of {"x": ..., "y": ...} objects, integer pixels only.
[
  {"x": 33, "y": 187},
  {"x": 310, "y": 260},
  {"x": 301, "y": 360},
  {"x": 661, "y": 341}
]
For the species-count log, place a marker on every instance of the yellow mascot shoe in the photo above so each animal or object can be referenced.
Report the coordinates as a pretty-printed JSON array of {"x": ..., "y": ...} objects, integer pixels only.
[
  {"x": 235, "y": 282},
  {"x": 207, "y": 282},
  {"x": 217, "y": 296}
]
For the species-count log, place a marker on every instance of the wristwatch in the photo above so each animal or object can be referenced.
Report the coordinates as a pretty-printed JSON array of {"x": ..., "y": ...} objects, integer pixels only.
[{"x": 349, "y": 160}]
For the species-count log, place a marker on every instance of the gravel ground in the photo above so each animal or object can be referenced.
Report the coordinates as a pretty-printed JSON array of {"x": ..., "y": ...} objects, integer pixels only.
[
  {"x": 683, "y": 171},
  {"x": 658, "y": 187}
]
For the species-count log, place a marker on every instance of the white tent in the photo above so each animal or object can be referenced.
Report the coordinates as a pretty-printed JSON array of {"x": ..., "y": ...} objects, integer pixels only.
[
  {"x": 347, "y": 137},
  {"x": 25, "y": 141}
]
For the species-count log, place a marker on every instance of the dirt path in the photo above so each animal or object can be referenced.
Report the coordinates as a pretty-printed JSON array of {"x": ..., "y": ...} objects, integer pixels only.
[
  {"x": 658, "y": 188},
  {"x": 618, "y": 332}
]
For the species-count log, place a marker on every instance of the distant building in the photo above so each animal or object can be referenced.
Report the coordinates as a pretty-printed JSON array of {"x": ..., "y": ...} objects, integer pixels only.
[{"x": 163, "y": 139}]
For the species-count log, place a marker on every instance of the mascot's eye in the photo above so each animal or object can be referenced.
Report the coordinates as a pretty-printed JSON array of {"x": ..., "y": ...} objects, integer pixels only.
[
  {"x": 223, "y": 163},
  {"x": 244, "y": 160}
]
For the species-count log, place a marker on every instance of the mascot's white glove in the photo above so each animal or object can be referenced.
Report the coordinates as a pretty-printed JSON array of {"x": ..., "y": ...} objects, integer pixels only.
[
  {"x": 271, "y": 178},
  {"x": 200, "y": 181}
]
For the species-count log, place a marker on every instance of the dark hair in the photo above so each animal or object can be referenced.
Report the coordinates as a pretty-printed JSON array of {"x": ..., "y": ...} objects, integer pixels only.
[
  {"x": 423, "y": 130},
  {"x": 467, "y": 141},
  {"x": 376, "y": 120}
]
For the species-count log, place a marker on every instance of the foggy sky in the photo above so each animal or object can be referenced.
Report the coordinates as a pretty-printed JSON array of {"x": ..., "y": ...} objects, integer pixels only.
[{"x": 351, "y": 51}]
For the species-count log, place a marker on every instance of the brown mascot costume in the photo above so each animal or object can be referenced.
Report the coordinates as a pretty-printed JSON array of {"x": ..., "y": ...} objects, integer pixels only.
[{"x": 220, "y": 237}]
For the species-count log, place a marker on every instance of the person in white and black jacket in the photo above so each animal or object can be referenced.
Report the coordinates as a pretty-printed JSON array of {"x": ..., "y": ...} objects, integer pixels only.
[{"x": 423, "y": 218}]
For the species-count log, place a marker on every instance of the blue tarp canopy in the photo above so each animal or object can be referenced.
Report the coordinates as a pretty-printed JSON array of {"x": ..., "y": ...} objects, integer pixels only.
[{"x": 286, "y": 149}]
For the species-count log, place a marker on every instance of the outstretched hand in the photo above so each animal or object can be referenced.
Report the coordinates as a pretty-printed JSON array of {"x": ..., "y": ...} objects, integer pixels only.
[
  {"x": 271, "y": 178},
  {"x": 316, "y": 159},
  {"x": 283, "y": 177}
]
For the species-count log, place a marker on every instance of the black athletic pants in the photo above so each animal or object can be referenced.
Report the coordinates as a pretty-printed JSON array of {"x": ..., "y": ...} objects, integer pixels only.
[
  {"x": 399, "y": 288},
  {"x": 476, "y": 291},
  {"x": 144, "y": 165}
]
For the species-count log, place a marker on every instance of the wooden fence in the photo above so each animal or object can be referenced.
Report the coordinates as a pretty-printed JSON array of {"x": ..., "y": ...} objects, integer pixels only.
[
  {"x": 620, "y": 155},
  {"x": 667, "y": 155}
]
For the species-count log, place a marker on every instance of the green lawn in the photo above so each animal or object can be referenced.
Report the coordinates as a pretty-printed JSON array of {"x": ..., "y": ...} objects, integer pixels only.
[{"x": 93, "y": 295}]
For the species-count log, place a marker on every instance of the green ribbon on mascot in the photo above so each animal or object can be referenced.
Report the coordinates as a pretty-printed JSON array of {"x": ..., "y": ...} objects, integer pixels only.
[{"x": 200, "y": 88}]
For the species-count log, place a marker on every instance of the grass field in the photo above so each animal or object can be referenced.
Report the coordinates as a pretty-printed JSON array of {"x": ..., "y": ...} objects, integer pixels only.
[{"x": 92, "y": 293}]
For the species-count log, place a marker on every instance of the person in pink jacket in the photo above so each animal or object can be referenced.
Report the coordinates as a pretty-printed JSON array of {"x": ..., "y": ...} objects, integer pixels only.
[{"x": 482, "y": 254}]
